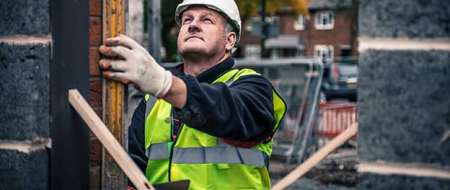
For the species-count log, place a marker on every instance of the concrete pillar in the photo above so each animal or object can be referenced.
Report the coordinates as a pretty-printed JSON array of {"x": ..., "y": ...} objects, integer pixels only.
[
  {"x": 135, "y": 20},
  {"x": 25, "y": 50},
  {"x": 404, "y": 94},
  {"x": 134, "y": 29}
]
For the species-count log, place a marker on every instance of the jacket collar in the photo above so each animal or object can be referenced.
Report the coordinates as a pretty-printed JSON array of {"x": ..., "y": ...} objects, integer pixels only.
[{"x": 211, "y": 74}]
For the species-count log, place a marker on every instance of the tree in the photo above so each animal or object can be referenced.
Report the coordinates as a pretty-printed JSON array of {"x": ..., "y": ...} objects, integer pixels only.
[{"x": 169, "y": 39}]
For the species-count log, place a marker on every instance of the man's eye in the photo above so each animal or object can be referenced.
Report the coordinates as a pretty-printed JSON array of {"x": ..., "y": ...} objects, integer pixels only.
[
  {"x": 186, "y": 21},
  {"x": 207, "y": 20}
]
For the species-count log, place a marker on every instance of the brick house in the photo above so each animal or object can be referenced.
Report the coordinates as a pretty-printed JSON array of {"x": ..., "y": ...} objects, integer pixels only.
[{"x": 328, "y": 32}]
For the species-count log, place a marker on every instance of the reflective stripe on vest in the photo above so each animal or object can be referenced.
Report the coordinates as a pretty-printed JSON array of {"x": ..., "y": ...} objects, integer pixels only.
[
  {"x": 226, "y": 154},
  {"x": 158, "y": 151},
  {"x": 150, "y": 101},
  {"x": 204, "y": 155}
]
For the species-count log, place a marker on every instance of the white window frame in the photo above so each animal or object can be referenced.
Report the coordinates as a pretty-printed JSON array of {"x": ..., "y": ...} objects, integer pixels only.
[
  {"x": 324, "y": 20},
  {"x": 325, "y": 53},
  {"x": 299, "y": 24}
]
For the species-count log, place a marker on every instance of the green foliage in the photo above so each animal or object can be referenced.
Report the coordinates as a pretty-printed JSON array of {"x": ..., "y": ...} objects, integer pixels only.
[{"x": 169, "y": 37}]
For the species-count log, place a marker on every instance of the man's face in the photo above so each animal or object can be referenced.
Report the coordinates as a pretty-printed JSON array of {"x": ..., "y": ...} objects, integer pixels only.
[{"x": 202, "y": 33}]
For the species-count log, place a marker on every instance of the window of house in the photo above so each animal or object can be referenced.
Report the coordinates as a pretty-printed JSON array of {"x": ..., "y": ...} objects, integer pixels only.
[
  {"x": 252, "y": 51},
  {"x": 275, "y": 53},
  {"x": 299, "y": 24},
  {"x": 324, "y": 20},
  {"x": 324, "y": 53},
  {"x": 255, "y": 26},
  {"x": 346, "y": 52}
]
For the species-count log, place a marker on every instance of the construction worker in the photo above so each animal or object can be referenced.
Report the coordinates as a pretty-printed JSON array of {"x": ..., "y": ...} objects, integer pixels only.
[{"x": 202, "y": 120}]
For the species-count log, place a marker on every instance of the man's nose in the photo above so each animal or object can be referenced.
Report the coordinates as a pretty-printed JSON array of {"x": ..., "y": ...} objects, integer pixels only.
[{"x": 193, "y": 26}]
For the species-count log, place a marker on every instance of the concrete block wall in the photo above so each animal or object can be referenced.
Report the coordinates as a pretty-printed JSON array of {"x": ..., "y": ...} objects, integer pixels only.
[
  {"x": 25, "y": 50},
  {"x": 404, "y": 94}
]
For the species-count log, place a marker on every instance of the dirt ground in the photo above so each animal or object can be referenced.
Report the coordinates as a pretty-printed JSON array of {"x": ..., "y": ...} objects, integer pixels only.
[{"x": 337, "y": 172}]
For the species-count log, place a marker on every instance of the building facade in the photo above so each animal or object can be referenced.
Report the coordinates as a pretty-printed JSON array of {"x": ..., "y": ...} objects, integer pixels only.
[{"x": 328, "y": 32}]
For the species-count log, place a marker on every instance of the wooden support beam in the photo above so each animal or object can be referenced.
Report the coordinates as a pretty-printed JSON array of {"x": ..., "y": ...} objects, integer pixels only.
[
  {"x": 316, "y": 157},
  {"x": 113, "y": 99},
  {"x": 108, "y": 140}
]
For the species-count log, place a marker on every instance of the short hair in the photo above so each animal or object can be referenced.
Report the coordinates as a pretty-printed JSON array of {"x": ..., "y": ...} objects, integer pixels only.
[{"x": 228, "y": 27}]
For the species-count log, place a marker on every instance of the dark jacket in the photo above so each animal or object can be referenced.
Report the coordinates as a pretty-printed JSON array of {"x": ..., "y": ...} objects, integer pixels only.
[{"x": 242, "y": 111}]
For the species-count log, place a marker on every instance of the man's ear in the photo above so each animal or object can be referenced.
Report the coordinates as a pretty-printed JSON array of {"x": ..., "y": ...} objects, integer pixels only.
[{"x": 231, "y": 40}]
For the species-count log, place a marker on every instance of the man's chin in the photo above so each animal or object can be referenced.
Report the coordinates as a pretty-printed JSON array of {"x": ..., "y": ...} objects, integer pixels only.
[{"x": 193, "y": 52}]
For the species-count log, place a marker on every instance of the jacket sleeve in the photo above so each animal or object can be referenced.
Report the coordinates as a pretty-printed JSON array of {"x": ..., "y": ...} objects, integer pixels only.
[
  {"x": 242, "y": 111},
  {"x": 136, "y": 138}
]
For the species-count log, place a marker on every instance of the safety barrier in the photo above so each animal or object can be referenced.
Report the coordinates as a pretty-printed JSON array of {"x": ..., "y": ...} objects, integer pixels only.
[{"x": 335, "y": 117}]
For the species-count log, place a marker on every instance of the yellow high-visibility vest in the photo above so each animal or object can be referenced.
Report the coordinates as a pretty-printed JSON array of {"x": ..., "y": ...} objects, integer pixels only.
[{"x": 201, "y": 158}]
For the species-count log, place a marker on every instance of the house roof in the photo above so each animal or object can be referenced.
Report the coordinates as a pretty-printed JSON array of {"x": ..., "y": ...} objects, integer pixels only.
[
  {"x": 330, "y": 4},
  {"x": 285, "y": 41}
]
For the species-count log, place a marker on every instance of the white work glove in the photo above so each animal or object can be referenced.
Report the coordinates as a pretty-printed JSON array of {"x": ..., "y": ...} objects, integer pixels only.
[{"x": 129, "y": 62}]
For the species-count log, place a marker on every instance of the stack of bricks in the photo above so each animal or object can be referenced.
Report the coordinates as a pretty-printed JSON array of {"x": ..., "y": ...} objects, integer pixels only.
[
  {"x": 404, "y": 94},
  {"x": 25, "y": 50},
  {"x": 95, "y": 88}
]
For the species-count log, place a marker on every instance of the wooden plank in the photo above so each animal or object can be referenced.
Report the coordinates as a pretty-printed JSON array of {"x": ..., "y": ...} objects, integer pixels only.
[
  {"x": 113, "y": 100},
  {"x": 316, "y": 158},
  {"x": 109, "y": 141}
]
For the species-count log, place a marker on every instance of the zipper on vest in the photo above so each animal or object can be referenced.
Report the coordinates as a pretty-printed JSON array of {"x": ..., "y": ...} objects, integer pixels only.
[
  {"x": 171, "y": 154},
  {"x": 174, "y": 141}
]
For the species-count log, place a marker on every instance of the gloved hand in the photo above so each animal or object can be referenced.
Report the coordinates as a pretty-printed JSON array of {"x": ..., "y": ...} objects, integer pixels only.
[{"x": 129, "y": 62}]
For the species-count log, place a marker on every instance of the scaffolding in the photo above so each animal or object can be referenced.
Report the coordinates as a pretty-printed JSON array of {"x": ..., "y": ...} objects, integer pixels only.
[{"x": 298, "y": 81}]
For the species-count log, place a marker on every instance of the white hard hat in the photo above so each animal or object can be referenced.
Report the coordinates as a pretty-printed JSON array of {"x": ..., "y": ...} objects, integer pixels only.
[{"x": 225, "y": 7}]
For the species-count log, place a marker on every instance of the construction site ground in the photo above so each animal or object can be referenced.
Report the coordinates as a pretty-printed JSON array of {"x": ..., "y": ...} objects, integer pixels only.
[{"x": 336, "y": 172}]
